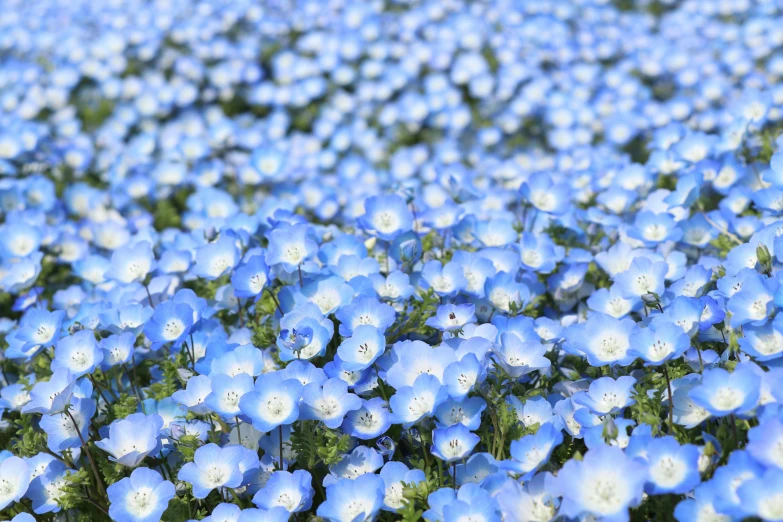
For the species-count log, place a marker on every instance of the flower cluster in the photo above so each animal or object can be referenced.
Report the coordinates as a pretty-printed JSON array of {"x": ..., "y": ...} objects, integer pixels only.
[{"x": 350, "y": 260}]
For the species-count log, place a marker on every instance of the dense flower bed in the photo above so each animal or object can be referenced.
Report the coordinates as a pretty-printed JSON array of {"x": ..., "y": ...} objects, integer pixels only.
[{"x": 351, "y": 260}]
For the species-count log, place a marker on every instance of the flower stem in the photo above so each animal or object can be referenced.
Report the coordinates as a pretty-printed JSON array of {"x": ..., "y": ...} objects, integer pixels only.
[
  {"x": 87, "y": 452},
  {"x": 671, "y": 399},
  {"x": 280, "y": 436}
]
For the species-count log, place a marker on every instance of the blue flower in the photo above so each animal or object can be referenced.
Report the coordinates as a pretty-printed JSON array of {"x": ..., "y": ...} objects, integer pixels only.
[
  {"x": 290, "y": 246},
  {"x": 412, "y": 403},
  {"x": 170, "y": 323},
  {"x": 216, "y": 259},
  {"x": 462, "y": 376},
  {"x": 51, "y": 396},
  {"x": 132, "y": 439},
  {"x": 386, "y": 217},
  {"x": 329, "y": 403},
  {"x": 274, "y": 401},
  {"x": 467, "y": 412},
  {"x": 662, "y": 341},
  {"x": 603, "y": 340},
  {"x": 348, "y": 500},
  {"x": 395, "y": 475},
  {"x": 453, "y": 443},
  {"x": 362, "y": 349},
  {"x": 227, "y": 392},
  {"x": 213, "y": 467},
  {"x": 541, "y": 191},
  {"x": 362, "y": 460},
  {"x": 142, "y": 497},
  {"x": 643, "y": 277},
  {"x": 607, "y": 395},
  {"x": 761, "y": 496},
  {"x": 117, "y": 349},
  {"x": 15, "y": 477},
  {"x": 533, "y": 451},
  {"x": 61, "y": 431},
  {"x": 291, "y": 491},
  {"x": 521, "y": 357},
  {"x": 250, "y": 279},
  {"x": 77, "y": 353},
  {"x": 723, "y": 393},
  {"x": 605, "y": 483},
  {"x": 672, "y": 468},
  {"x": 365, "y": 311},
  {"x": 39, "y": 329},
  {"x": 370, "y": 421},
  {"x": 131, "y": 263},
  {"x": 451, "y": 318}
]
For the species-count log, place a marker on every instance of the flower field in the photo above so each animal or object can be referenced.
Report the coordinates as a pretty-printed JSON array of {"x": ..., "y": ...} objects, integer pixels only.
[{"x": 391, "y": 260}]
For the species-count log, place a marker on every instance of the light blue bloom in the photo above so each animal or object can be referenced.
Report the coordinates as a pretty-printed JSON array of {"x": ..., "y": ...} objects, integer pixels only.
[{"x": 142, "y": 497}]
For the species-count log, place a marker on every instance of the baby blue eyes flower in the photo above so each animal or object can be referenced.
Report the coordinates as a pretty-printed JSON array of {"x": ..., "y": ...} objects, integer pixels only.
[
  {"x": 533, "y": 451},
  {"x": 603, "y": 340},
  {"x": 606, "y": 483},
  {"x": 78, "y": 353},
  {"x": 227, "y": 392},
  {"x": 764, "y": 442},
  {"x": 14, "y": 480},
  {"x": 170, "y": 323},
  {"x": 369, "y": 421},
  {"x": 142, "y": 497},
  {"x": 672, "y": 468},
  {"x": 213, "y": 467},
  {"x": 117, "y": 349},
  {"x": 290, "y": 246},
  {"x": 365, "y": 311},
  {"x": 450, "y": 318},
  {"x": 660, "y": 342},
  {"x": 274, "y": 402},
  {"x": 763, "y": 496},
  {"x": 329, "y": 403},
  {"x": 216, "y": 259},
  {"x": 39, "y": 328},
  {"x": 722, "y": 393},
  {"x": 519, "y": 357},
  {"x": 386, "y": 217},
  {"x": 250, "y": 279},
  {"x": 453, "y": 443},
  {"x": 395, "y": 475},
  {"x": 132, "y": 439},
  {"x": 131, "y": 263},
  {"x": 412, "y": 403},
  {"x": 61, "y": 432},
  {"x": 545, "y": 195},
  {"x": 362, "y": 349},
  {"x": 296, "y": 340},
  {"x": 607, "y": 395},
  {"x": 643, "y": 277},
  {"x": 51, "y": 396},
  {"x": 348, "y": 500},
  {"x": 291, "y": 491},
  {"x": 461, "y": 377}
]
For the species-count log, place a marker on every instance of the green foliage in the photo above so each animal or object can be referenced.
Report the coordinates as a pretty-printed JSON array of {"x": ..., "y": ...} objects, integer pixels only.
[
  {"x": 649, "y": 409},
  {"x": 418, "y": 313},
  {"x": 73, "y": 492},
  {"x": 124, "y": 406},
  {"x": 170, "y": 381},
  {"x": 264, "y": 334},
  {"x": 334, "y": 446},
  {"x": 29, "y": 441},
  {"x": 187, "y": 446},
  {"x": 723, "y": 244},
  {"x": 180, "y": 510}
]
